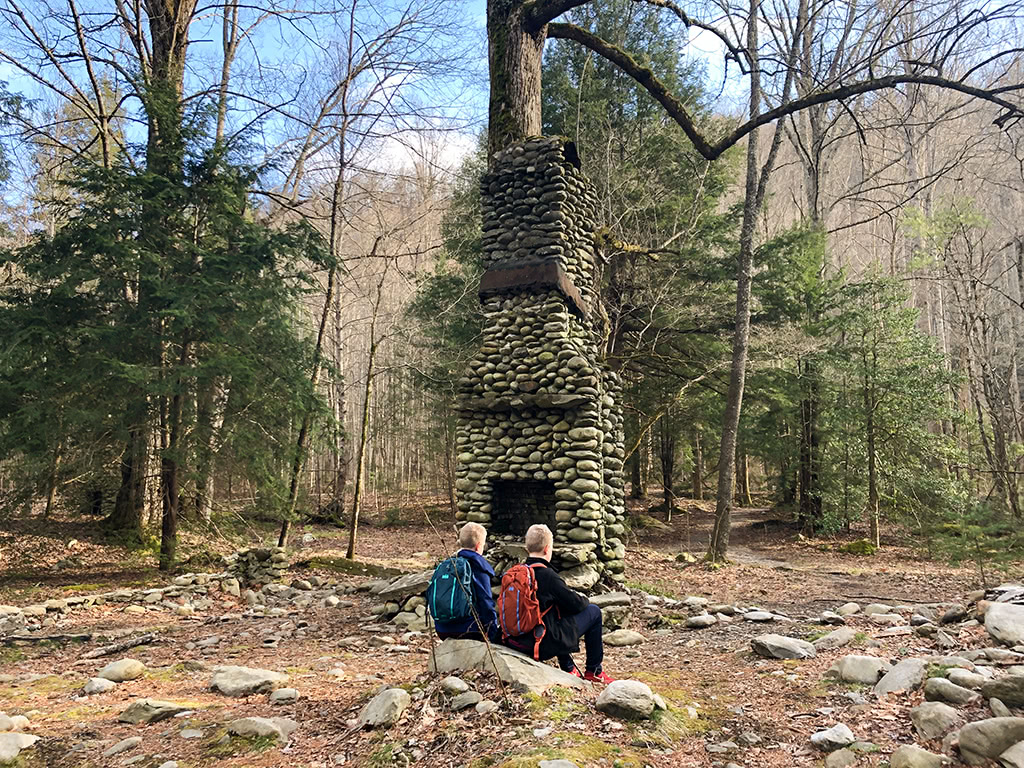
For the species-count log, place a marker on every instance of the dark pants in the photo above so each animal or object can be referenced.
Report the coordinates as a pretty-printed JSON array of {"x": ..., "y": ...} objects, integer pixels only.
[{"x": 588, "y": 626}]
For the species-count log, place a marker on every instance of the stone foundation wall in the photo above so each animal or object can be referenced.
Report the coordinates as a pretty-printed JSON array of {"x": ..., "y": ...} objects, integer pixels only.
[{"x": 537, "y": 404}]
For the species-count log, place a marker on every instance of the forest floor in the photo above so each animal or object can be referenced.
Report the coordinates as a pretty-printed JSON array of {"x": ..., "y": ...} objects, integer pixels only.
[{"x": 718, "y": 692}]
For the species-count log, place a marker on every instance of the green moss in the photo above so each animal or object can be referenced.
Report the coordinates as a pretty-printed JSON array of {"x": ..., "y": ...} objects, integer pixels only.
[
  {"x": 11, "y": 655},
  {"x": 861, "y": 547},
  {"x": 382, "y": 756},
  {"x": 937, "y": 670},
  {"x": 859, "y": 640},
  {"x": 217, "y": 746},
  {"x": 652, "y": 589},
  {"x": 344, "y": 565}
]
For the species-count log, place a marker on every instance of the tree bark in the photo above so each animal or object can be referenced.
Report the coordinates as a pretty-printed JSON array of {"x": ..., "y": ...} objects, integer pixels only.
[
  {"x": 170, "y": 476},
  {"x": 697, "y": 476}
]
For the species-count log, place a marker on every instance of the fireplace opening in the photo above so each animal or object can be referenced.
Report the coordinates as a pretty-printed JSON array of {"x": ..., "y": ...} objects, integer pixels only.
[{"x": 517, "y": 504}]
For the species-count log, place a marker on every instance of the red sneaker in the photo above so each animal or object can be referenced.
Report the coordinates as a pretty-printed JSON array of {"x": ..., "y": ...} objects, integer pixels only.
[
  {"x": 598, "y": 677},
  {"x": 576, "y": 671}
]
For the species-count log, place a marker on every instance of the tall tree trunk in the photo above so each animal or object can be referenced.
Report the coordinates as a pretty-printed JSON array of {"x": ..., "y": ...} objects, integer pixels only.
[
  {"x": 170, "y": 476},
  {"x": 869, "y": 426},
  {"x": 667, "y": 454},
  {"x": 810, "y": 494},
  {"x": 514, "y": 58},
  {"x": 742, "y": 479},
  {"x": 364, "y": 429},
  {"x": 697, "y": 476},
  {"x": 130, "y": 502}
]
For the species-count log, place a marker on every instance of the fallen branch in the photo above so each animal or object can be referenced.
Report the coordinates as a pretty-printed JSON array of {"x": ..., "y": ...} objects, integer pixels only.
[
  {"x": 34, "y": 639},
  {"x": 123, "y": 645}
]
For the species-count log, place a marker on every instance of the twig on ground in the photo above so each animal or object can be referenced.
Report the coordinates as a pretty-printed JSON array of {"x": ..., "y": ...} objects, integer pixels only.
[{"x": 122, "y": 645}]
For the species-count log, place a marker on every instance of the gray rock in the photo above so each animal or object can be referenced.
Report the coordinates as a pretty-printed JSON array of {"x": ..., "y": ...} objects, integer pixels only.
[
  {"x": 279, "y": 728},
  {"x": 385, "y": 708},
  {"x": 486, "y": 707},
  {"x": 940, "y": 689},
  {"x": 841, "y": 758},
  {"x": 13, "y": 743},
  {"x": 998, "y": 708},
  {"x": 837, "y": 638},
  {"x": 628, "y": 699},
  {"x": 557, "y": 764},
  {"x": 1009, "y": 690},
  {"x": 911, "y": 756},
  {"x": 781, "y": 647},
  {"x": 836, "y": 737},
  {"x": 701, "y": 621},
  {"x": 848, "y": 609},
  {"x": 121, "y": 670},
  {"x": 623, "y": 637},
  {"x": 988, "y": 739},
  {"x": 828, "y": 617},
  {"x": 907, "y": 675},
  {"x": 611, "y": 598},
  {"x": 859, "y": 669},
  {"x": 244, "y": 681},
  {"x": 514, "y": 668},
  {"x": 98, "y": 685},
  {"x": 758, "y": 616},
  {"x": 581, "y": 578},
  {"x": 467, "y": 699},
  {"x": 953, "y": 615},
  {"x": 1005, "y": 623},
  {"x": 191, "y": 733},
  {"x": 284, "y": 696},
  {"x": 934, "y": 719},
  {"x": 1013, "y": 757},
  {"x": 169, "y": 764},
  {"x": 453, "y": 686},
  {"x": 149, "y": 711},
  {"x": 872, "y": 608},
  {"x": 406, "y": 586},
  {"x": 966, "y": 679},
  {"x": 123, "y": 746}
]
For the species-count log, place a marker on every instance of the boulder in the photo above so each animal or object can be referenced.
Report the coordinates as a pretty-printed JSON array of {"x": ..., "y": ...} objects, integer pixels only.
[
  {"x": 149, "y": 711},
  {"x": 121, "y": 670},
  {"x": 999, "y": 709},
  {"x": 1009, "y": 690},
  {"x": 848, "y": 609},
  {"x": 782, "y": 647},
  {"x": 243, "y": 681},
  {"x": 628, "y": 699},
  {"x": 515, "y": 668},
  {"x": 907, "y": 675},
  {"x": 701, "y": 621},
  {"x": 1005, "y": 623},
  {"x": 933, "y": 719},
  {"x": 13, "y": 743},
  {"x": 941, "y": 689},
  {"x": 406, "y": 586},
  {"x": 859, "y": 669},
  {"x": 453, "y": 686},
  {"x": 872, "y": 608},
  {"x": 841, "y": 758},
  {"x": 911, "y": 756},
  {"x": 988, "y": 739},
  {"x": 581, "y": 578},
  {"x": 623, "y": 637},
  {"x": 1013, "y": 757},
  {"x": 467, "y": 699},
  {"x": 836, "y": 737},
  {"x": 385, "y": 708},
  {"x": 98, "y": 685},
  {"x": 279, "y": 728},
  {"x": 284, "y": 696},
  {"x": 966, "y": 679},
  {"x": 837, "y": 638}
]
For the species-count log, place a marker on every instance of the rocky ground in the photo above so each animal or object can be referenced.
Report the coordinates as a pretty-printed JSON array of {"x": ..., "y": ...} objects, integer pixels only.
[{"x": 762, "y": 663}]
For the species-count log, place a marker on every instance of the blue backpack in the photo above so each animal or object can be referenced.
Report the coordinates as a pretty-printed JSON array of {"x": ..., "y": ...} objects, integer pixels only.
[{"x": 450, "y": 594}]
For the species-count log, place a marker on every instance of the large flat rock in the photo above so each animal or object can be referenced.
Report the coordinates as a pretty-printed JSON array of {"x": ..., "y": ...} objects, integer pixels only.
[
  {"x": 1005, "y": 622},
  {"x": 986, "y": 740},
  {"x": 510, "y": 666},
  {"x": 406, "y": 586},
  {"x": 243, "y": 681}
]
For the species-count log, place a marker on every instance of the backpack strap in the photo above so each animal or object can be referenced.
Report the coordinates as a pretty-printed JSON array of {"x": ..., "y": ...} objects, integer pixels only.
[{"x": 543, "y": 627}]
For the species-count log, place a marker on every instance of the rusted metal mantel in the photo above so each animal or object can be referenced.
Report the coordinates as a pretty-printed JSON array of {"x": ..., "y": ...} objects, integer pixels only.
[{"x": 516, "y": 276}]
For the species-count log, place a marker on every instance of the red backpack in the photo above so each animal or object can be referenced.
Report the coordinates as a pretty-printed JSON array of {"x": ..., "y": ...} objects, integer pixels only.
[{"x": 519, "y": 610}]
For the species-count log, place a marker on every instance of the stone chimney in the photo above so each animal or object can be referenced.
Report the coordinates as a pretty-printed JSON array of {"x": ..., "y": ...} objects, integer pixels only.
[{"x": 539, "y": 433}]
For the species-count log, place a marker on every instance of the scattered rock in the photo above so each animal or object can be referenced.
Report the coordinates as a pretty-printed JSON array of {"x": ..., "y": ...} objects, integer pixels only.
[
  {"x": 701, "y": 621},
  {"x": 859, "y": 669},
  {"x": 1005, "y": 623},
  {"x": 758, "y": 616},
  {"x": 1013, "y": 757},
  {"x": 243, "y": 681},
  {"x": 284, "y": 696},
  {"x": 150, "y": 711},
  {"x": 98, "y": 685},
  {"x": 908, "y": 675},
  {"x": 911, "y": 756},
  {"x": 848, "y": 609},
  {"x": 1009, "y": 690},
  {"x": 837, "y": 638},
  {"x": 828, "y": 617},
  {"x": 519, "y": 670},
  {"x": 998, "y": 708},
  {"x": 941, "y": 689},
  {"x": 966, "y": 679},
  {"x": 628, "y": 699},
  {"x": 836, "y": 737},
  {"x": 782, "y": 647},
  {"x": 467, "y": 699},
  {"x": 841, "y": 758},
  {"x": 279, "y": 728},
  {"x": 872, "y": 608},
  {"x": 385, "y": 708},
  {"x": 13, "y": 743},
  {"x": 453, "y": 686},
  {"x": 988, "y": 739},
  {"x": 557, "y": 764},
  {"x": 623, "y": 637},
  {"x": 121, "y": 670},
  {"x": 933, "y": 719},
  {"x": 954, "y": 615},
  {"x": 123, "y": 746},
  {"x": 406, "y": 586},
  {"x": 486, "y": 707}
]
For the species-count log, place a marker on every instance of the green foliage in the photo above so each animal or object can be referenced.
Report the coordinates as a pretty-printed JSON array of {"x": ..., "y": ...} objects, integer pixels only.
[
  {"x": 860, "y": 547},
  {"x": 973, "y": 531}
]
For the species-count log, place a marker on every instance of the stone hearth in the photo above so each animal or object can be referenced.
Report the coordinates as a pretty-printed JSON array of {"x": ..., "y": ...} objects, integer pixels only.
[{"x": 539, "y": 433}]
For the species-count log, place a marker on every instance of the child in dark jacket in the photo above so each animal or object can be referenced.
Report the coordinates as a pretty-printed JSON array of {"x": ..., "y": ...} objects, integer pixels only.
[
  {"x": 472, "y": 538},
  {"x": 571, "y": 617}
]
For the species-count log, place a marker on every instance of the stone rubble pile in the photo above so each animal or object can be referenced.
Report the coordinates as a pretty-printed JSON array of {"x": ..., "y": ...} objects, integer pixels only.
[{"x": 258, "y": 565}]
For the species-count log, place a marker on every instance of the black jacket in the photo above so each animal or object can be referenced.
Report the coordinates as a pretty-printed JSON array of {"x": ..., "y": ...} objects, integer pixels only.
[{"x": 561, "y": 635}]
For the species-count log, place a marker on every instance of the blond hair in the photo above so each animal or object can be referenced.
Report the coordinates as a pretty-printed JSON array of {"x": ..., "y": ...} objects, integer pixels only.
[
  {"x": 538, "y": 539},
  {"x": 471, "y": 535}
]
